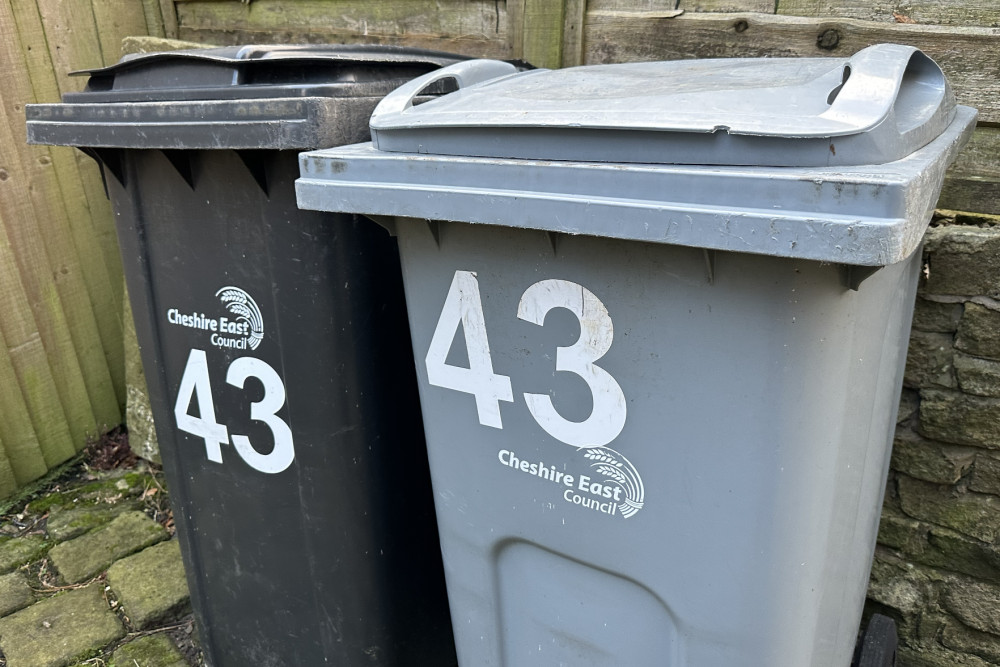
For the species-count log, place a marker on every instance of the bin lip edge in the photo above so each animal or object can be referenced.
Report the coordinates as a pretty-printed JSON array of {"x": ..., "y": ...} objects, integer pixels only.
[
  {"x": 964, "y": 118},
  {"x": 891, "y": 238}
]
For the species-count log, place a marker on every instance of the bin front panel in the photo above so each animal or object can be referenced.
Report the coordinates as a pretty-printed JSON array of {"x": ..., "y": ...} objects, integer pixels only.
[
  {"x": 648, "y": 454},
  {"x": 279, "y": 369}
]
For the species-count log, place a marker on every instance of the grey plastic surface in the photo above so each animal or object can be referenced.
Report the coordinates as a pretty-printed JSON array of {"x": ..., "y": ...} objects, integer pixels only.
[
  {"x": 865, "y": 215},
  {"x": 679, "y": 340},
  {"x": 760, "y": 408},
  {"x": 270, "y": 97},
  {"x": 877, "y": 106}
]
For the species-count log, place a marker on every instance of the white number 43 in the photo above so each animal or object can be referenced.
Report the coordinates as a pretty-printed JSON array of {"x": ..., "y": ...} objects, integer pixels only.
[
  {"x": 464, "y": 306},
  {"x": 196, "y": 384}
]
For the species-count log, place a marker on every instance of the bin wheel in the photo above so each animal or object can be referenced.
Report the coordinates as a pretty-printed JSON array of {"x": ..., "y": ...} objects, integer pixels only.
[{"x": 878, "y": 644}]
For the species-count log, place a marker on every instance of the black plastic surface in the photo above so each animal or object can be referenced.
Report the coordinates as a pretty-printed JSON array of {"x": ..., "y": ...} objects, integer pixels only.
[
  {"x": 257, "y": 71},
  {"x": 329, "y": 557},
  {"x": 335, "y": 559}
]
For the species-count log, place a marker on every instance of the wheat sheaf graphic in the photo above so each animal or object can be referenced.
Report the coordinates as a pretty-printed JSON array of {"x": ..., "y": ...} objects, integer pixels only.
[
  {"x": 242, "y": 305},
  {"x": 620, "y": 471}
]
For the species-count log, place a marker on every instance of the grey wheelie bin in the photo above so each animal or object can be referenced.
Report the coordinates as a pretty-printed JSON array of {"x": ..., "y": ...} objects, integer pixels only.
[
  {"x": 275, "y": 347},
  {"x": 659, "y": 313}
]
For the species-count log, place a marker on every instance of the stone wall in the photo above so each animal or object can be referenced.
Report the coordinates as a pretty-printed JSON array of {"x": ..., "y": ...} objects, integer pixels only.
[{"x": 937, "y": 566}]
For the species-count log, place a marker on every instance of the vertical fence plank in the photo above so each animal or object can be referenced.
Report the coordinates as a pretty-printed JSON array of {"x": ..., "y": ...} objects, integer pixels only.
[
  {"x": 57, "y": 41},
  {"x": 572, "y": 35},
  {"x": 542, "y": 32},
  {"x": 153, "y": 13},
  {"x": 169, "y": 13},
  {"x": 34, "y": 381},
  {"x": 8, "y": 483},
  {"x": 16, "y": 428},
  {"x": 45, "y": 234},
  {"x": 36, "y": 273},
  {"x": 114, "y": 21},
  {"x": 90, "y": 221},
  {"x": 72, "y": 42}
]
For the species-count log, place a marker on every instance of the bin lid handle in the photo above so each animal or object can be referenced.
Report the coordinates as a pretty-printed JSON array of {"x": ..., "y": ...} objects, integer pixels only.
[
  {"x": 875, "y": 77},
  {"x": 465, "y": 74}
]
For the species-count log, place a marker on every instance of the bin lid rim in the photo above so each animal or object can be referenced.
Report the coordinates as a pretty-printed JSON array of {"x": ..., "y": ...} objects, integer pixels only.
[{"x": 235, "y": 55}]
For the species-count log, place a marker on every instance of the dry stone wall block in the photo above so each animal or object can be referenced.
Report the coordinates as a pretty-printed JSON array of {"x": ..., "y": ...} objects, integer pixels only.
[
  {"x": 936, "y": 316},
  {"x": 979, "y": 332},
  {"x": 929, "y": 361},
  {"x": 958, "y": 418},
  {"x": 963, "y": 260},
  {"x": 973, "y": 514},
  {"x": 975, "y": 603},
  {"x": 930, "y": 461}
]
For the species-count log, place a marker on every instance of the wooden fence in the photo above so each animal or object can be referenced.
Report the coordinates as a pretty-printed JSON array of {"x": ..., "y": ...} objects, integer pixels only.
[
  {"x": 61, "y": 355},
  {"x": 961, "y": 35},
  {"x": 61, "y": 359}
]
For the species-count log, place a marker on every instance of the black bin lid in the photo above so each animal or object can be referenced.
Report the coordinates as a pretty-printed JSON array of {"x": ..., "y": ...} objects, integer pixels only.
[
  {"x": 258, "y": 71},
  {"x": 241, "y": 97}
]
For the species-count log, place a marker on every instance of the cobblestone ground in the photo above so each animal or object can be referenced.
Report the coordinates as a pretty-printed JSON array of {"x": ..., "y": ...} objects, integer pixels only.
[{"x": 90, "y": 572}]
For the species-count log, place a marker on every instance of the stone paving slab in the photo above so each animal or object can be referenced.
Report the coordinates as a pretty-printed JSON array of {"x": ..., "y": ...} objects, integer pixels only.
[
  {"x": 66, "y": 524},
  {"x": 104, "y": 492},
  {"x": 15, "y": 552},
  {"x": 88, "y": 555},
  {"x": 14, "y": 593},
  {"x": 60, "y": 629},
  {"x": 150, "y": 584},
  {"x": 150, "y": 651}
]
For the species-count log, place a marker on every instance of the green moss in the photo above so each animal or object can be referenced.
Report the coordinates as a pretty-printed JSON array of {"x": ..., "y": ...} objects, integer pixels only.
[
  {"x": 900, "y": 532},
  {"x": 15, "y": 553},
  {"x": 67, "y": 524},
  {"x": 94, "y": 493},
  {"x": 38, "y": 486},
  {"x": 150, "y": 651}
]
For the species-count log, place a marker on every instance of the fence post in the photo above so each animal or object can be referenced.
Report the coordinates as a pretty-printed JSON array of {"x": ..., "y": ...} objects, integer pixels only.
[{"x": 547, "y": 33}]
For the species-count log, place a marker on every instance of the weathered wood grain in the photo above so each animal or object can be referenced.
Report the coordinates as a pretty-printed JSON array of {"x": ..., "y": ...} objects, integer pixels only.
[
  {"x": 74, "y": 44},
  {"x": 32, "y": 406},
  {"x": 80, "y": 189},
  {"x": 168, "y": 11},
  {"x": 541, "y": 32},
  {"x": 973, "y": 182},
  {"x": 153, "y": 12},
  {"x": 471, "y": 27},
  {"x": 985, "y": 13},
  {"x": 16, "y": 430},
  {"x": 49, "y": 234},
  {"x": 113, "y": 22},
  {"x": 71, "y": 41},
  {"x": 572, "y": 36},
  {"x": 766, "y": 6},
  {"x": 8, "y": 482},
  {"x": 16, "y": 427},
  {"x": 969, "y": 56},
  {"x": 36, "y": 274},
  {"x": 631, "y": 5},
  {"x": 46, "y": 234},
  {"x": 666, "y": 6}
]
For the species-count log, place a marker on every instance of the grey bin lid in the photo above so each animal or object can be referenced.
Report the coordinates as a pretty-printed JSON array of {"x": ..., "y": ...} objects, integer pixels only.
[
  {"x": 244, "y": 97},
  {"x": 878, "y": 106}
]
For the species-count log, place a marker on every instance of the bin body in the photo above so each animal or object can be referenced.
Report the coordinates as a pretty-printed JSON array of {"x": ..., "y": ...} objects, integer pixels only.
[
  {"x": 758, "y": 411},
  {"x": 659, "y": 395},
  {"x": 277, "y": 357}
]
